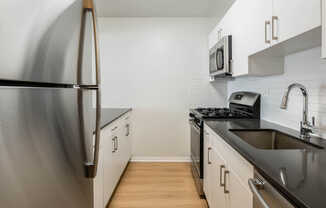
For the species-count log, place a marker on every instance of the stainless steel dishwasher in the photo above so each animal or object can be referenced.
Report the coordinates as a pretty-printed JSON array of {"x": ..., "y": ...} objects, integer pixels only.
[{"x": 265, "y": 195}]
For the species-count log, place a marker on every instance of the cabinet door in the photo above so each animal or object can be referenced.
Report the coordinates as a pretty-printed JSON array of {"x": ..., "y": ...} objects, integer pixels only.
[
  {"x": 213, "y": 37},
  {"x": 206, "y": 166},
  {"x": 295, "y": 17},
  {"x": 217, "y": 177},
  {"x": 257, "y": 19},
  {"x": 234, "y": 23},
  {"x": 122, "y": 147},
  {"x": 239, "y": 194},
  {"x": 117, "y": 142},
  {"x": 122, "y": 154},
  {"x": 128, "y": 136},
  {"x": 107, "y": 158}
]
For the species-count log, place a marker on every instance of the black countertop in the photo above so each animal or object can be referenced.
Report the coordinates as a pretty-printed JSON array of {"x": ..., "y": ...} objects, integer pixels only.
[
  {"x": 305, "y": 170},
  {"x": 109, "y": 115}
]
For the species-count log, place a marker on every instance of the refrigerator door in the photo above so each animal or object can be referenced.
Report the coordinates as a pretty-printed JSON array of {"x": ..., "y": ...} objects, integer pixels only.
[
  {"x": 42, "y": 41},
  {"x": 43, "y": 148}
]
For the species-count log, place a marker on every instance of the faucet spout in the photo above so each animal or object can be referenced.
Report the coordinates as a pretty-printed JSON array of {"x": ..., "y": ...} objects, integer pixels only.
[{"x": 305, "y": 125}]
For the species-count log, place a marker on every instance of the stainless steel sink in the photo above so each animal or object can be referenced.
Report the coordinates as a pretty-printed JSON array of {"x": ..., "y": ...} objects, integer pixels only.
[{"x": 273, "y": 140}]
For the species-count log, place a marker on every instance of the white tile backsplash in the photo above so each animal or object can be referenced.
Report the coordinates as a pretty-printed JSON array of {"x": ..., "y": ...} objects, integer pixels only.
[{"x": 306, "y": 68}]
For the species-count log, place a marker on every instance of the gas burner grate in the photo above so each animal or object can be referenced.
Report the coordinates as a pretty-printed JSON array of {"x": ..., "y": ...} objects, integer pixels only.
[{"x": 220, "y": 113}]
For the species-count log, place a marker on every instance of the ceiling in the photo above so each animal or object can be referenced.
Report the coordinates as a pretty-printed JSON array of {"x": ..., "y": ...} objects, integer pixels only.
[{"x": 162, "y": 8}]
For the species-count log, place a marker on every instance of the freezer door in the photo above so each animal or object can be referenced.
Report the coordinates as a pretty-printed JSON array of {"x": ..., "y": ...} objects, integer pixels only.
[
  {"x": 43, "y": 149},
  {"x": 41, "y": 41}
]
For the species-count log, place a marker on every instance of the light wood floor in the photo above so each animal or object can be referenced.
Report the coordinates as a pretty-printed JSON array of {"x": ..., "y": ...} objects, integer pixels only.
[{"x": 157, "y": 185}]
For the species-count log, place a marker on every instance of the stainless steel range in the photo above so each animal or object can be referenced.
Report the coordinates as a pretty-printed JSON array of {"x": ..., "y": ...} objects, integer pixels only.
[{"x": 242, "y": 105}]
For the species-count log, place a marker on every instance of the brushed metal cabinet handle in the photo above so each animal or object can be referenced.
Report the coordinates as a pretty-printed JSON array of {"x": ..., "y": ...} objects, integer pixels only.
[
  {"x": 274, "y": 18},
  {"x": 225, "y": 174},
  {"x": 208, "y": 159},
  {"x": 128, "y": 129},
  {"x": 113, "y": 145},
  {"x": 221, "y": 170},
  {"x": 117, "y": 143},
  {"x": 266, "y": 32}
]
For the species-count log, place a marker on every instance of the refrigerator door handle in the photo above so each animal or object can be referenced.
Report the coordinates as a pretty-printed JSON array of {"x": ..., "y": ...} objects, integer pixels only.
[
  {"x": 92, "y": 167},
  {"x": 89, "y": 7}
]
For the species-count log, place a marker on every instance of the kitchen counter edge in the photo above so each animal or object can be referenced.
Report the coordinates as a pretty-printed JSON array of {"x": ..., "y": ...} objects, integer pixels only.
[{"x": 109, "y": 115}]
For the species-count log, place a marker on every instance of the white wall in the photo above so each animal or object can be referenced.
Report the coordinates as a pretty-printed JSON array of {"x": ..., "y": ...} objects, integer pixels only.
[
  {"x": 306, "y": 68},
  {"x": 159, "y": 67}
]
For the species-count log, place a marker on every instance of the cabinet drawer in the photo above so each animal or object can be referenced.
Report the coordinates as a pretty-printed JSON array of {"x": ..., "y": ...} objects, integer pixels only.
[{"x": 241, "y": 167}]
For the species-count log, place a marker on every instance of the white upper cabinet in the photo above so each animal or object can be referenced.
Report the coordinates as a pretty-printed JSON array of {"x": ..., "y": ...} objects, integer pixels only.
[
  {"x": 257, "y": 17},
  {"x": 258, "y": 25},
  {"x": 248, "y": 23},
  {"x": 294, "y": 17},
  {"x": 324, "y": 28},
  {"x": 214, "y": 36},
  {"x": 234, "y": 24}
]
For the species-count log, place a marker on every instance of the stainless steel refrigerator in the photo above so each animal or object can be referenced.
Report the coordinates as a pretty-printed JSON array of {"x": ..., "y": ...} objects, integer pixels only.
[{"x": 49, "y": 103}]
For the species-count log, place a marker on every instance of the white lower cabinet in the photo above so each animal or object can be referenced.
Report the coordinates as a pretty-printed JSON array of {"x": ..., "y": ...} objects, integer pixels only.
[
  {"x": 239, "y": 195},
  {"x": 207, "y": 167},
  {"x": 225, "y": 177},
  {"x": 218, "y": 167},
  {"x": 115, "y": 153}
]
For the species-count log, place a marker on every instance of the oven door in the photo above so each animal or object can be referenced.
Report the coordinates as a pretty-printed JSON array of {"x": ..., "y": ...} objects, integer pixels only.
[{"x": 195, "y": 145}]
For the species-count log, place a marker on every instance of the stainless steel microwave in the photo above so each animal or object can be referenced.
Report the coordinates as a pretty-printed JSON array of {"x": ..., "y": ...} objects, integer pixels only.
[{"x": 220, "y": 58}]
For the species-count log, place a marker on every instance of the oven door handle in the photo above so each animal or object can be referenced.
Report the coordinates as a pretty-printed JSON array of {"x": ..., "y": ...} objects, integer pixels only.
[
  {"x": 254, "y": 185},
  {"x": 195, "y": 126}
]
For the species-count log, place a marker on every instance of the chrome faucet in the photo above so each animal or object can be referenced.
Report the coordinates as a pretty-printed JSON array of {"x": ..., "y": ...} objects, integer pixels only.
[{"x": 306, "y": 128}]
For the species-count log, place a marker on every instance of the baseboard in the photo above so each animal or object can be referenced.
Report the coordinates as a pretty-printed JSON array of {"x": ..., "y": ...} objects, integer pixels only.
[{"x": 160, "y": 159}]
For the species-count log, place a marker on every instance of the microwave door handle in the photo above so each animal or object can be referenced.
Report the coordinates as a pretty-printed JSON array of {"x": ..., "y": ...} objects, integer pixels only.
[
  {"x": 217, "y": 59},
  {"x": 253, "y": 187}
]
